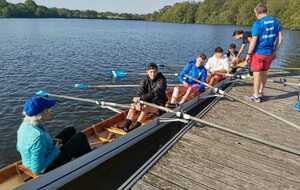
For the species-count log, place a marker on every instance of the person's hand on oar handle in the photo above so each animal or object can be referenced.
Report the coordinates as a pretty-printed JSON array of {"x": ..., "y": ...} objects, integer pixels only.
[
  {"x": 57, "y": 142},
  {"x": 137, "y": 105},
  {"x": 185, "y": 84}
]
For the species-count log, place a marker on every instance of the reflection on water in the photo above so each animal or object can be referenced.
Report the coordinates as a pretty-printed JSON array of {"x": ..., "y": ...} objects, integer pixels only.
[{"x": 54, "y": 54}]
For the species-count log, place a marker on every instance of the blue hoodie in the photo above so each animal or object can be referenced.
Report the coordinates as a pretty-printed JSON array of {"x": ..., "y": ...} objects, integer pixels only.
[
  {"x": 36, "y": 147},
  {"x": 192, "y": 70}
]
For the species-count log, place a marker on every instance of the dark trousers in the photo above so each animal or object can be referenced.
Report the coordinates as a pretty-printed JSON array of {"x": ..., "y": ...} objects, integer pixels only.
[{"x": 74, "y": 145}]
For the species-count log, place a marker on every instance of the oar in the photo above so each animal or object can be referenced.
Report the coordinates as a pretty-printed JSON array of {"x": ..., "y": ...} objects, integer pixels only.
[
  {"x": 217, "y": 90},
  {"x": 284, "y": 82},
  {"x": 102, "y": 104},
  {"x": 121, "y": 74},
  {"x": 189, "y": 117},
  {"x": 286, "y": 68},
  {"x": 85, "y": 86}
]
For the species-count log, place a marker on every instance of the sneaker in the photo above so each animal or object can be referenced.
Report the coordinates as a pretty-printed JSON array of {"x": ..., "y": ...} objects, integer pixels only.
[
  {"x": 172, "y": 106},
  {"x": 254, "y": 99},
  {"x": 249, "y": 76},
  {"x": 126, "y": 125},
  {"x": 126, "y": 129},
  {"x": 261, "y": 96}
]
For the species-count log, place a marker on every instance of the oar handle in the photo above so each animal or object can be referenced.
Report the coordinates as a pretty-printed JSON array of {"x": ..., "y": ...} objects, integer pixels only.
[{"x": 216, "y": 90}]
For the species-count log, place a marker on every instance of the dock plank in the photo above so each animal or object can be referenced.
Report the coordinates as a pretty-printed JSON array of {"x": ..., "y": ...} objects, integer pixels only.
[
  {"x": 207, "y": 158},
  {"x": 176, "y": 178}
]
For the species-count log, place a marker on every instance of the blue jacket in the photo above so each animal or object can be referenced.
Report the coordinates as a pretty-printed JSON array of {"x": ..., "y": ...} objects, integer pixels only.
[
  {"x": 192, "y": 70},
  {"x": 36, "y": 147}
]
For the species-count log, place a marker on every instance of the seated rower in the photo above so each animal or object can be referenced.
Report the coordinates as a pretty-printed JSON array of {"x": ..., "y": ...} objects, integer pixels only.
[
  {"x": 152, "y": 89},
  {"x": 217, "y": 66},
  {"x": 39, "y": 152},
  {"x": 195, "y": 69},
  {"x": 231, "y": 55}
]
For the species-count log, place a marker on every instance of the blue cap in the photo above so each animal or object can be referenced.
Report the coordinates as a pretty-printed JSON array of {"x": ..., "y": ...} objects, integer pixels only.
[{"x": 36, "y": 104}]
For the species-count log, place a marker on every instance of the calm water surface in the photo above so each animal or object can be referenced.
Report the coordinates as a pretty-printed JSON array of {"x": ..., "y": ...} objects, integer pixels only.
[{"x": 54, "y": 54}]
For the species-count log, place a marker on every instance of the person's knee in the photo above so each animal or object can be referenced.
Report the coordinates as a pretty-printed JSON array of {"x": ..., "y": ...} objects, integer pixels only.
[
  {"x": 71, "y": 130},
  {"x": 80, "y": 136}
]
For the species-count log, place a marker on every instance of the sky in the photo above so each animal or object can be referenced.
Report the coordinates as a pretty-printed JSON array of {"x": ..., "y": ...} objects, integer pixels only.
[{"x": 119, "y": 6}]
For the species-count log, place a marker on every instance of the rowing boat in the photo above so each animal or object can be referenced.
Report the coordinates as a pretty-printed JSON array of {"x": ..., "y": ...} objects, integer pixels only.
[{"x": 107, "y": 141}]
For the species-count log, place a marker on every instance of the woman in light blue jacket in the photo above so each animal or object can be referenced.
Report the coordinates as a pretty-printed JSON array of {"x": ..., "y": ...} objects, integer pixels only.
[{"x": 38, "y": 151}]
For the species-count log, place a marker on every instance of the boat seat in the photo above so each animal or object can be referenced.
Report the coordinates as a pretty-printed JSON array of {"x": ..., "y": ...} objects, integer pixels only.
[
  {"x": 117, "y": 131},
  {"x": 111, "y": 132},
  {"x": 22, "y": 169},
  {"x": 104, "y": 140}
]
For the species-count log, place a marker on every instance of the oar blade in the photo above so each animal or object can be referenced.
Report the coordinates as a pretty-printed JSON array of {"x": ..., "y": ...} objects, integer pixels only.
[
  {"x": 118, "y": 73},
  {"x": 42, "y": 93},
  {"x": 81, "y": 86}
]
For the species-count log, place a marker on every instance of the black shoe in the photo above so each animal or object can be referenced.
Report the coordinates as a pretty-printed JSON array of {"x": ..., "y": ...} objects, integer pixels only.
[
  {"x": 126, "y": 125},
  {"x": 135, "y": 126},
  {"x": 126, "y": 129},
  {"x": 172, "y": 106}
]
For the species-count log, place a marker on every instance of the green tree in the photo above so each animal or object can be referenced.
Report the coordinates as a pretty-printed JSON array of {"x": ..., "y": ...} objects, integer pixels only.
[
  {"x": 41, "y": 12},
  {"x": 9, "y": 11},
  {"x": 3, "y": 3},
  {"x": 31, "y": 7}
]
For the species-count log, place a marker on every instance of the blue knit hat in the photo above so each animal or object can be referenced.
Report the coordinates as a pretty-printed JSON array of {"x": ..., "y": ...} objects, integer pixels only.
[{"x": 36, "y": 104}]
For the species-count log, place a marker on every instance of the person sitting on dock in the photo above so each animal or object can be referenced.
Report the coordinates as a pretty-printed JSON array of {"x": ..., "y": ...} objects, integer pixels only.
[
  {"x": 195, "y": 69},
  {"x": 217, "y": 66},
  {"x": 152, "y": 89},
  {"x": 39, "y": 152}
]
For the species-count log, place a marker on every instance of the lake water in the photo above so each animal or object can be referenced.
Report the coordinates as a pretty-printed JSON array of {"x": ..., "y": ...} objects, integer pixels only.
[{"x": 54, "y": 54}]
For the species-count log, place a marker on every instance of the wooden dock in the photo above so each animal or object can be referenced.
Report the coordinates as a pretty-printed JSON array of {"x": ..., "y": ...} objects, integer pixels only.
[{"x": 207, "y": 158}]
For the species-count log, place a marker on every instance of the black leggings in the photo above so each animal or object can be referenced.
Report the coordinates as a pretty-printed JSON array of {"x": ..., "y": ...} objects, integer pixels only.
[{"x": 74, "y": 145}]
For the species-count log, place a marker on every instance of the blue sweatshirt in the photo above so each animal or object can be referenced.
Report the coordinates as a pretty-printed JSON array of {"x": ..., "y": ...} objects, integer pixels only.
[
  {"x": 192, "y": 70},
  {"x": 36, "y": 147}
]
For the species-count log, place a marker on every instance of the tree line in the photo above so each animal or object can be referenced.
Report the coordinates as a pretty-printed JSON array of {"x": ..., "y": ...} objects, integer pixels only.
[
  {"x": 29, "y": 9},
  {"x": 235, "y": 12}
]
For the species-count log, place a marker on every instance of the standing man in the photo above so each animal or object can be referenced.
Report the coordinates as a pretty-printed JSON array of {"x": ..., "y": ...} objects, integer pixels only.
[{"x": 266, "y": 39}]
